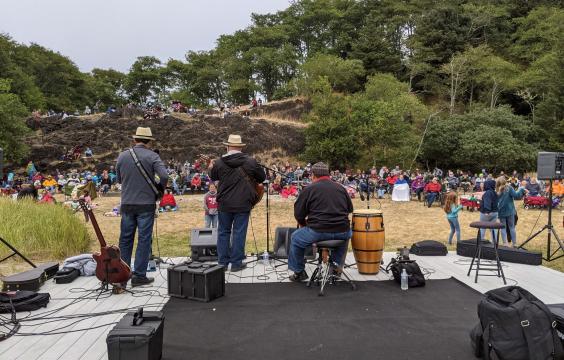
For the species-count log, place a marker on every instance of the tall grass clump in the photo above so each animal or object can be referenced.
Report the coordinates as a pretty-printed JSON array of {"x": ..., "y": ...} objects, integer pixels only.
[{"x": 41, "y": 231}]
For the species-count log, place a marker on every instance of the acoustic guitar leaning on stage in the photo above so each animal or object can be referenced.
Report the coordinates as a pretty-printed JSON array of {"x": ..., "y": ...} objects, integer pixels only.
[
  {"x": 110, "y": 268},
  {"x": 259, "y": 187}
]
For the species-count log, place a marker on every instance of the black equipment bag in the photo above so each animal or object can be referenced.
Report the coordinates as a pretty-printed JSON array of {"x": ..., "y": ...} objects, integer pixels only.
[
  {"x": 137, "y": 336},
  {"x": 30, "y": 280},
  {"x": 414, "y": 274},
  {"x": 22, "y": 301},
  {"x": 429, "y": 248},
  {"x": 557, "y": 311},
  {"x": 515, "y": 325},
  {"x": 66, "y": 275}
]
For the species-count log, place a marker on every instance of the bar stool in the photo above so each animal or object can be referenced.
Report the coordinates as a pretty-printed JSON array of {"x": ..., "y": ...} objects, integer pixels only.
[
  {"x": 326, "y": 270},
  {"x": 487, "y": 225}
]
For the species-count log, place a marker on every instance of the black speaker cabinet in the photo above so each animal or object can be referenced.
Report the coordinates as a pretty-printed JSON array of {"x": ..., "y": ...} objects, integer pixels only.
[
  {"x": 196, "y": 281},
  {"x": 467, "y": 248},
  {"x": 282, "y": 242},
  {"x": 203, "y": 243},
  {"x": 550, "y": 166}
]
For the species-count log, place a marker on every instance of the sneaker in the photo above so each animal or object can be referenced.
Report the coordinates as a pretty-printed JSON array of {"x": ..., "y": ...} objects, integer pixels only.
[
  {"x": 238, "y": 268},
  {"x": 299, "y": 277},
  {"x": 139, "y": 281}
]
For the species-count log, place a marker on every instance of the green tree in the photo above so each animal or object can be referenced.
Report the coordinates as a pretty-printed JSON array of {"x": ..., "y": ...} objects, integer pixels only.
[
  {"x": 343, "y": 75},
  {"x": 144, "y": 80},
  {"x": 12, "y": 115},
  {"x": 107, "y": 87}
]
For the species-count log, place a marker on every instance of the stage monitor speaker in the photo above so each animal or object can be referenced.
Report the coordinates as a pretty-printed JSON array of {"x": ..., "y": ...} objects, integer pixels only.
[
  {"x": 203, "y": 243},
  {"x": 467, "y": 248},
  {"x": 283, "y": 240},
  {"x": 550, "y": 166}
]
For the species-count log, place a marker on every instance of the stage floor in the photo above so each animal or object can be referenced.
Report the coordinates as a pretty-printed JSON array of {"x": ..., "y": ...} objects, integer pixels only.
[{"x": 73, "y": 300}]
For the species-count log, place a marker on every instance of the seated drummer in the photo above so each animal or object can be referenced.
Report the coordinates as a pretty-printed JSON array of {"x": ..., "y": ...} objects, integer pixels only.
[{"x": 322, "y": 209}]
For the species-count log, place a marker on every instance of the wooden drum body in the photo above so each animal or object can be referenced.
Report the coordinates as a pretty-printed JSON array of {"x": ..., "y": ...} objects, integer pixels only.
[{"x": 368, "y": 240}]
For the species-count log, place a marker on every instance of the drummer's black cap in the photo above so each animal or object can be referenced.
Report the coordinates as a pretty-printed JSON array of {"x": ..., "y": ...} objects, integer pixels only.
[{"x": 320, "y": 169}]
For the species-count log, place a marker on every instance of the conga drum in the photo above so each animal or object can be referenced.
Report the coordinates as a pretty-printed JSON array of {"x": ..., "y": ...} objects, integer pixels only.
[{"x": 368, "y": 240}]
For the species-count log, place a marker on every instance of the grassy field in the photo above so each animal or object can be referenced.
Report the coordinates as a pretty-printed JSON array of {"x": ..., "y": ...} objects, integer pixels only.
[{"x": 405, "y": 223}]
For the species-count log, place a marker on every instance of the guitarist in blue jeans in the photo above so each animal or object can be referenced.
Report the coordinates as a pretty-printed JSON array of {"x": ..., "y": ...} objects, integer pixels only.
[
  {"x": 237, "y": 174},
  {"x": 135, "y": 171}
]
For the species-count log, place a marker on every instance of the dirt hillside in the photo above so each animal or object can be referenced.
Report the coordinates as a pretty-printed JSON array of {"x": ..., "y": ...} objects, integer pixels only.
[{"x": 179, "y": 137}]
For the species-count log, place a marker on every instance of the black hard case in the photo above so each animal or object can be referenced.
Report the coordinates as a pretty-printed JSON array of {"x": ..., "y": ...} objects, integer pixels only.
[
  {"x": 30, "y": 279},
  {"x": 140, "y": 342},
  {"x": 195, "y": 281}
]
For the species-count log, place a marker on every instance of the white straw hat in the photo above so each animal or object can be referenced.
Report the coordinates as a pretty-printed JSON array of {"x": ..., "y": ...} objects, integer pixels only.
[
  {"x": 234, "y": 140},
  {"x": 143, "y": 133}
]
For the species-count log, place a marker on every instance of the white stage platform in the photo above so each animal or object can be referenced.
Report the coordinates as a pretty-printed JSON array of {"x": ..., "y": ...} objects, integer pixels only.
[{"x": 77, "y": 299}]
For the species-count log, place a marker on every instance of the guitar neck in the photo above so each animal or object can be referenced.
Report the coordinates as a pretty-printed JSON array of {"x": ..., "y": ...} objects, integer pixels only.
[
  {"x": 96, "y": 228},
  {"x": 90, "y": 215}
]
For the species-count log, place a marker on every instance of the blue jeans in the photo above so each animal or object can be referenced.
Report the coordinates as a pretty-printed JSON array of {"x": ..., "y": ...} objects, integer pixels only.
[
  {"x": 130, "y": 222},
  {"x": 491, "y": 217},
  {"x": 232, "y": 251},
  {"x": 431, "y": 198},
  {"x": 211, "y": 221},
  {"x": 509, "y": 223},
  {"x": 454, "y": 227},
  {"x": 304, "y": 237}
]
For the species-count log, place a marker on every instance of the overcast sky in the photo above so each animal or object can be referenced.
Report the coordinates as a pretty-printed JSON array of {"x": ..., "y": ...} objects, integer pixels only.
[{"x": 112, "y": 33}]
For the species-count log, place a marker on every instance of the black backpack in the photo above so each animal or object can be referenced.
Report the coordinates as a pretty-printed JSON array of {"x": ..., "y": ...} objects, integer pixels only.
[
  {"x": 415, "y": 276},
  {"x": 24, "y": 300},
  {"x": 515, "y": 325}
]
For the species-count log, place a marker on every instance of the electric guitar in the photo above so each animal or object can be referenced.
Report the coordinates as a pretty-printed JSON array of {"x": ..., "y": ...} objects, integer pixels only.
[
  {"x": 110, "y": 268},
  {"x": 259, "y": 187}
]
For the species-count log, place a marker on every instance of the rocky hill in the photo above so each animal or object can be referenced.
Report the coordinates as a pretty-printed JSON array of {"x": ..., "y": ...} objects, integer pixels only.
[{"x": 180, "y": 137}]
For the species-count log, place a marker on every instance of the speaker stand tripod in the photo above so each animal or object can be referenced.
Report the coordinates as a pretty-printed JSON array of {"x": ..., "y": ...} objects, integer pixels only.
[{"x": 550, "y": 232}]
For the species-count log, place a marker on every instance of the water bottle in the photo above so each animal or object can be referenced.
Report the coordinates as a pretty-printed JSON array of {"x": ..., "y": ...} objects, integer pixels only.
[
  {"x": 265, "y": 258},
  {"x": 404, "y": 278}
]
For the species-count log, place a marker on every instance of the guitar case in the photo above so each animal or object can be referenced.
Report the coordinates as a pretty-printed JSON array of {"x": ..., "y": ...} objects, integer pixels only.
[
  {"x": 31, "y": 279},
  {"x": 28, "y": 280}
]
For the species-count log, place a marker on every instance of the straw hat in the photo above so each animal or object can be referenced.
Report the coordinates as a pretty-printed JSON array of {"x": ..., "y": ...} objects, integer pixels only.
[
  {"x": 234, "y": 140},
  {"x": 143, "y": 133}
]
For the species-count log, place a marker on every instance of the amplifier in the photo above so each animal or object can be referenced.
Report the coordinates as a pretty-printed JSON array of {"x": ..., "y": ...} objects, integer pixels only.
[
  {"x": 137, "y": 336},
  {"x": 283, "y": 242},
  {"x": 196, "y": 281},
  {"x": 203, "y": 244},
  {"x": 467, "y": 248}
]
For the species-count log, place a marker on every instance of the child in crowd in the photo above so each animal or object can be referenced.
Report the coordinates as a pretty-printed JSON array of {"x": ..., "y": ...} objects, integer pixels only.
[
  {"x": 506, "y": 197},
  {"x": 452, "y": 207},
  {"x": 168, "y": 203},
  {"x": 210, "y": 206}
]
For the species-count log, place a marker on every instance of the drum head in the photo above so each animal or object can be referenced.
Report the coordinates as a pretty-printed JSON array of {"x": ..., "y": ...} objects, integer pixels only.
[{"x": 367, "y": 212}]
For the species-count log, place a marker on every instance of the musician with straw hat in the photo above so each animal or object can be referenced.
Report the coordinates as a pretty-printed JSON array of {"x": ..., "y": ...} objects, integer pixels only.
[
  {"x": 237, "y": 174},
  {"x": 135, "y": 171}
]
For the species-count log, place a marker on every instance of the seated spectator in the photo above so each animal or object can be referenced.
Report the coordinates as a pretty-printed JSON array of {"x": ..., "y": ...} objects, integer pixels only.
[
  {"x": 433, "y": 189},
  {"x": 452, "y": 181},
  {"x": 27, "y": 191},
  {"x": 50, "y": 184},
  {"x": 479, "y": 182},
  {"x": 46, "y": 198},
  {"x": 533, "y": 187},
  {"x": 168, "y": 203},
  {"x": 105, "y": 183},
  {"x": 418, "y": 186},
  {"x": 557, "y": 188},
  {"x": 289, "y": 190},
  {"x": 196, "y": 183},
  {"x": 88, "y": 152}
]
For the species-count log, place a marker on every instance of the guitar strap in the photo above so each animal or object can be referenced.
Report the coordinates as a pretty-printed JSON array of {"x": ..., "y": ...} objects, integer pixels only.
[
  {"x": 143, "y": 172},
  {"x": 248, "y": 178}
]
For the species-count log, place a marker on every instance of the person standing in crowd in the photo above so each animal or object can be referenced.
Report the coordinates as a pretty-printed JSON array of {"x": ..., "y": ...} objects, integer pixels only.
[
  {"x": 210, "y": 206},
  {"x": 138, "y": 202},
  {"x": 322, "y": 210},
  {"x": 506, "y": 208},
  {"x": 237, "y": 174},
  {"x": 452, "y": 207},
  {"x": 488, "y": 206}
]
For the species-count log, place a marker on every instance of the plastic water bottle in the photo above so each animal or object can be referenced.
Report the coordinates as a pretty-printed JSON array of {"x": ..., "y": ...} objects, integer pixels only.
[
  {"x": 404, "y": 278},
  {"x": 265, "y": 258}
]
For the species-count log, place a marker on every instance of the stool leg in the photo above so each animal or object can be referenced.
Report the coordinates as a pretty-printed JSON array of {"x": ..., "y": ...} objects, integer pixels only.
[
  {"x": 324, "y": 276},
  {"x": 315, "y": 272},
  {"x": 499, "y": 267},
  {"x": 478, "y": 239}
]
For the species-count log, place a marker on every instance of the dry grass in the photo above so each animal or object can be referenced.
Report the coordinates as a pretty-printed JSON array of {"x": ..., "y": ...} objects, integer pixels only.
[
  {"x": 283, "y": 120},
  {"x": 405, "y": 224}
]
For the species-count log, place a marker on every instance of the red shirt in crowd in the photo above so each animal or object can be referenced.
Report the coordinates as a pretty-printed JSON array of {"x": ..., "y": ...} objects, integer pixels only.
[
  {"x": 168, "y": 200},
  {"x": 433, "y": 187}
]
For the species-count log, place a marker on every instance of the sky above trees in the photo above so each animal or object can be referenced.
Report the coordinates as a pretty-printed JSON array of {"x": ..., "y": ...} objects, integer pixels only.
[{"x": 112, "y": 34}]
